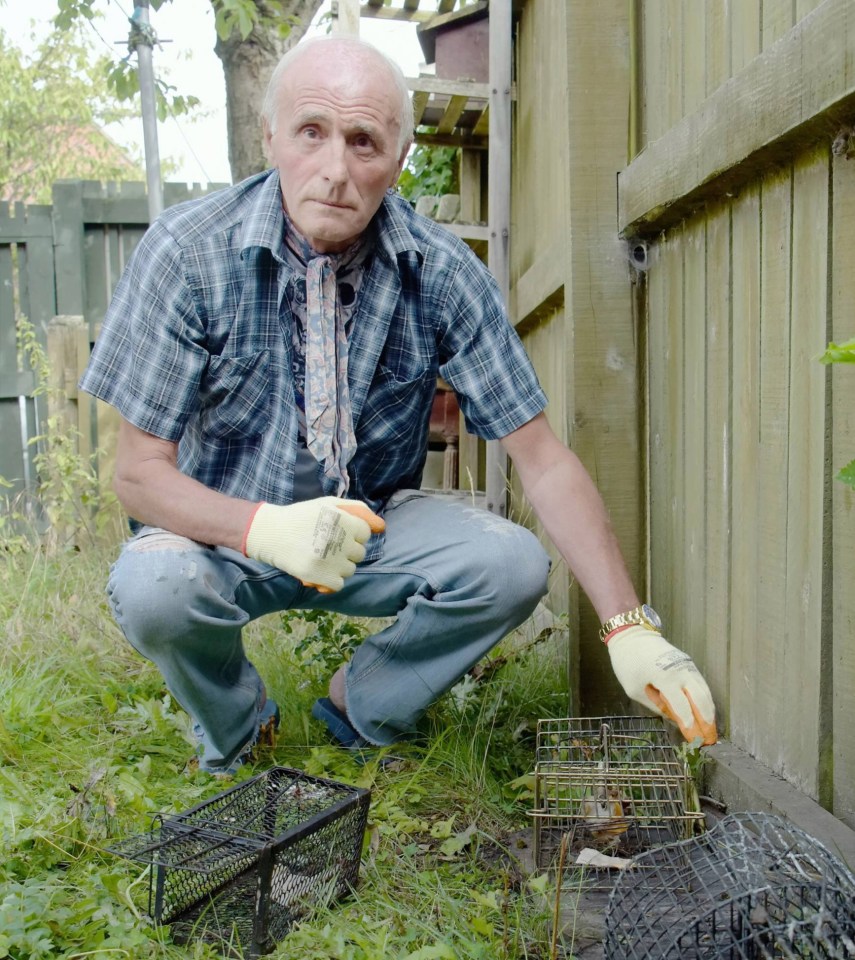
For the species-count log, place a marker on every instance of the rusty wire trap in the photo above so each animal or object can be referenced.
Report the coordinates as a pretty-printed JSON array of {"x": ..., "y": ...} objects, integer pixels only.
[
  {"x": 607, "y": 788},
  {"x": 753, "y": 886},
  {"x": 239, "y": 869}
]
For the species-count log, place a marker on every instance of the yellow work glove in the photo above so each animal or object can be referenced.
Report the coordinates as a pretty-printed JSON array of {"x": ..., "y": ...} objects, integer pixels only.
[
  {"x": 662, "y": 678},
  {"x": 317, "y": 541}
]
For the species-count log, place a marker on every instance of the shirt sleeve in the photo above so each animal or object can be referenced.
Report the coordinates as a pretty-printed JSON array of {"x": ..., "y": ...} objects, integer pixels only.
[
  {"x": 149, "y": 356},
  {"x": 484, "y": 360}
]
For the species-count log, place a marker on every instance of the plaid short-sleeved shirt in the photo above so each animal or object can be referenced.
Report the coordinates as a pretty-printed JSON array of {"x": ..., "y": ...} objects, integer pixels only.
[{"x": 196, "y": 345}]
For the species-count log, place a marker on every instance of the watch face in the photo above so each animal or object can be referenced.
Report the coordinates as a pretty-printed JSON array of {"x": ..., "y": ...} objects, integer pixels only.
[{"x": 651, "y": 615}]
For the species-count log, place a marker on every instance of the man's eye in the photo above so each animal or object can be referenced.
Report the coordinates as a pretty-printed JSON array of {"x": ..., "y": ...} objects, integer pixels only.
[{"x": 363, "y": 142}]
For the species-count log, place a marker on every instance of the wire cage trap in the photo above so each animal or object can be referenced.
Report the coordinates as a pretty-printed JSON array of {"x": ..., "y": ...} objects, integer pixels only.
[
  {"x": 239, "y": 869},
  {"x": 753, "y": 886},
  {"x": 614, "y": 785}
]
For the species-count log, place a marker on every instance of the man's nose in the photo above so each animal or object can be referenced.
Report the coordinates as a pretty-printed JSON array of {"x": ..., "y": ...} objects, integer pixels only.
[{"x": 335, "y": 161}]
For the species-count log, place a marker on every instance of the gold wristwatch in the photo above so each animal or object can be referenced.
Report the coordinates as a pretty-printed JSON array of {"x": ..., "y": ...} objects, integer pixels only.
[{"x": 644, "y": 616}]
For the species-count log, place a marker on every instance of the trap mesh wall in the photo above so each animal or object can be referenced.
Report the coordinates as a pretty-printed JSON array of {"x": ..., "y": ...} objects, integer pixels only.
[
  {"x": 241, "y": 867},
  {"x": 616, "y": 785},
  {"x": 752, "y": 886}
]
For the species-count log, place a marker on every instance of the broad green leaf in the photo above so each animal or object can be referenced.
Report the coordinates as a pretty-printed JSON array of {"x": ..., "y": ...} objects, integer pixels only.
[
  {"x": 839, "y": 353},
  {"x": 458, "y": 842}
]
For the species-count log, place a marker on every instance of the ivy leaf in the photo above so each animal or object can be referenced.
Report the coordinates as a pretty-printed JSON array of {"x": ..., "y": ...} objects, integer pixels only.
[{"x": 847, "y": 474}]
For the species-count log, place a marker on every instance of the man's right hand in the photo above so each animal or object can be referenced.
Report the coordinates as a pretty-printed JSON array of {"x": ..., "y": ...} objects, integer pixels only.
[{"x": 317, "y": 541}]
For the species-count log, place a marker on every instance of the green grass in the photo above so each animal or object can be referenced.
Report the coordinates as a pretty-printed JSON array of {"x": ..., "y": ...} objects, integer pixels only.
[{"x": 91, "y": 744}]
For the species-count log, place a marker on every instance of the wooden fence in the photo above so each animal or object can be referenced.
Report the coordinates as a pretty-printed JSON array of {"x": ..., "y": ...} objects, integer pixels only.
[
  {"x": 742, "y": 189},
  {"x": 58, "y": 267}
]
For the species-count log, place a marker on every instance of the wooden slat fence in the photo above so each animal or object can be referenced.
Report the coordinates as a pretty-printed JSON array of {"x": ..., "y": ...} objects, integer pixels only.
[
  {"x": 62, "y": 259},
  {"x": 747, "y": 200}
]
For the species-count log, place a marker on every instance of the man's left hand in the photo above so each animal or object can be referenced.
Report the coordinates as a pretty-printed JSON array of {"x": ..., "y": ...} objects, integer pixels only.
[{"x": 664, "y": 679}]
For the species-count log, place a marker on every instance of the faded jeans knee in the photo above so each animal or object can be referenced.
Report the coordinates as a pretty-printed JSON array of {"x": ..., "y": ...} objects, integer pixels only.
[
  {"x": 156, "y": 589},
  {"x": 509, "y": 566}
]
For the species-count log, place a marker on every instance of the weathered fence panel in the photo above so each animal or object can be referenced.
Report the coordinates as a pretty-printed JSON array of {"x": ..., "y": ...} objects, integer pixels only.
[
  {"x": 752, "y": 227},
  {"x": 26, "y": 290},
  {"x": 63, "y": 259}
]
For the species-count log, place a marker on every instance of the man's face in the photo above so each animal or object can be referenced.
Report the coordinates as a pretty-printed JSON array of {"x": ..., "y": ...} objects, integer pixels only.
[{"x": 336, "y": 143}]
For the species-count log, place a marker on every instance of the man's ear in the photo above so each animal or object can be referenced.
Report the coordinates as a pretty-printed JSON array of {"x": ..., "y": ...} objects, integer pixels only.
[
  {"x": 267, "y": 137},
  {"x": 401, "y": 161}
]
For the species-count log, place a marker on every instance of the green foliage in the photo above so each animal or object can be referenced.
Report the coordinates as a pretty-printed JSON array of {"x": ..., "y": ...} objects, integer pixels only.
[
  {"x": 121, "y": 78},
  {"x": 842, "y": 353},
  {"x": 323, "y": 640},
  {"x": 430, "y": 171},
  {"x": 124, "y": 81},
  {"x": 53, "y": 105},
  {"x": 839, "y": 353},
  {"x": 246, "y": 16}
]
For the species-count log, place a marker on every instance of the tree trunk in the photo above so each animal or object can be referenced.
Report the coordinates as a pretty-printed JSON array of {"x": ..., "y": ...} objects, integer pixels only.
[{"x": 247, "y": 65}]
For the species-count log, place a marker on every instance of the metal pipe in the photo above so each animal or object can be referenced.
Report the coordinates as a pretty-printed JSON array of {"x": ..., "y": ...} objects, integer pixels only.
[{"x": 142, "y": 40}]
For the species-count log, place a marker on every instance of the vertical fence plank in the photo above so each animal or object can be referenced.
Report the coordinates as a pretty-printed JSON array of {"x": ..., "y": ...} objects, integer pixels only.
[
  {"x": 694, "y": 506},
  {"x": 769, "y": 578},
  {"x": 652, "y": 80},
  {"x": 718, "y": 457},
  {"x": 843, "y": 497},
  {"x": 673, "y": 93},
  {"x": 745, "y": 466},
  {"x": 666, "y": 420},
  {"x": 8, "y": 314},
  {"x": 694, "y": 53},
  {"x": 656, "y": 317},
  {"x": 745, "y": 33},
  {"x": 70, "y": 265},
  {"x": 718, "y": 42},
  {"x": 777, "y": 20},
  {"x": 802, "y": 653}
]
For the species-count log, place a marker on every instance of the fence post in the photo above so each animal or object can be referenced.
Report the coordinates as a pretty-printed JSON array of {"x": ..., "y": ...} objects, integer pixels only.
[{"x": 67, "y": 348}]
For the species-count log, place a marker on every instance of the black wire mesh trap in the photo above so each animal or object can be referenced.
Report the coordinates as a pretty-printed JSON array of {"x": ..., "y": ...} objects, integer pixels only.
[
  {"x": 752, "y": 886},
  {"x": 239, "y": 869},
  {"x": 614, "y": 785}
]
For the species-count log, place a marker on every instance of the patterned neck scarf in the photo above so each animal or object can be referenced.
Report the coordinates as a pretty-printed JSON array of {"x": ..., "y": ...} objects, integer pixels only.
[{"x": 329, "y": 425}]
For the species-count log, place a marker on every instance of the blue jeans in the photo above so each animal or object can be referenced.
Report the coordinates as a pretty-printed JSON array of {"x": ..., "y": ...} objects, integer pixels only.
[{"x": 455, "y": 578}]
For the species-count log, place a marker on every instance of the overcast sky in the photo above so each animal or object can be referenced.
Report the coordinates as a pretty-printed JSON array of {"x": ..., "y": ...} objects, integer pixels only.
[{"x": 189, "y": 63}]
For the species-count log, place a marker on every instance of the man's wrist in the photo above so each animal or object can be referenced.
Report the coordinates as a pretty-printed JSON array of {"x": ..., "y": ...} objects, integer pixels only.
[{"x": 641, "y": 616}]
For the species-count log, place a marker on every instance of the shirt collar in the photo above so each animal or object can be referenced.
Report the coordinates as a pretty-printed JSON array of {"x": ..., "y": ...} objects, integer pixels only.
[{"x": 264, "y": 224}]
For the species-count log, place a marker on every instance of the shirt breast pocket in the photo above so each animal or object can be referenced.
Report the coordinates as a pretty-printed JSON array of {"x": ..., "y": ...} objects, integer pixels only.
[
  {"x": 394, "y": 407},
  {"x": 235, "y": 396}
]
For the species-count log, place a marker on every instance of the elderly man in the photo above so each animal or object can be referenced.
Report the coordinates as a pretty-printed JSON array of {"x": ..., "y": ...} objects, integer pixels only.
[{"x": 273, "y": 351}]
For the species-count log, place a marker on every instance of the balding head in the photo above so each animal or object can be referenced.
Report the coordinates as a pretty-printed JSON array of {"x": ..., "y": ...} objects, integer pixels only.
[{"x": 351, "y": 49}]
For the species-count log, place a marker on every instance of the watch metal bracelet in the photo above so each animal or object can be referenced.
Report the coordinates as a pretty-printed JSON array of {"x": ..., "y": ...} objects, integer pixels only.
[{"x": 642, "y": 616}]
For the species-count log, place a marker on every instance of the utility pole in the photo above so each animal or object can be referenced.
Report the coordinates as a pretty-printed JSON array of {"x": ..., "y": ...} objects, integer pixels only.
[{"x": 141, "y": 40}]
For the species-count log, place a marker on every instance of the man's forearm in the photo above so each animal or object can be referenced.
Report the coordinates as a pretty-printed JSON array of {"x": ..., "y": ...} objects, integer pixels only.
[
  {"x": 171, "y": 500},
  {"x": 574, "y": 516},
  {"x": 153, "y": 491},
  {"x": 572, "y": 511}
]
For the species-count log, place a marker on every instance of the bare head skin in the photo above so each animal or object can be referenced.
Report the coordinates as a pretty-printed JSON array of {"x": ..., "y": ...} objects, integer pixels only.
[{"x": 333, "y": 129}]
